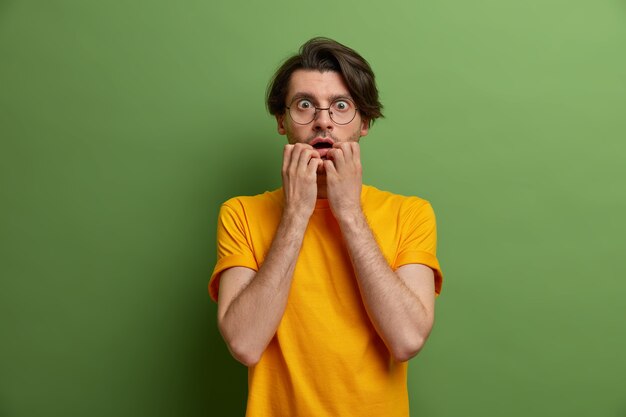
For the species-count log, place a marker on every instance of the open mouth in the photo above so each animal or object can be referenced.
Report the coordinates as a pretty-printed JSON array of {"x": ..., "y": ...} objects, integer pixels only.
[{"x": 323, "y": 145}]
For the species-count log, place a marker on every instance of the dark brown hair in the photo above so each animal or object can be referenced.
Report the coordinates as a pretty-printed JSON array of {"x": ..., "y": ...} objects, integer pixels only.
[{"x": 323, "y": 54}]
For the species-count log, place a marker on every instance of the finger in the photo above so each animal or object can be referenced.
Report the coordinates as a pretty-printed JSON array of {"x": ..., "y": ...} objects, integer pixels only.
[
  {"x": 303, "y": 146},
  {"x": 356, "y": 156},
  {"x": 329, "y": 166},
  {"x": 346, "y": 149},
  {"x": 305, "y": 157},
  {"x": 336, "y": 155},
  {"x": 295, "y": 158},
  {"x": 300, "y": 147},
  {"x": 356, "y": 150},
  {"x": 314, "y": 164},
  {"x": 287, "y": 151}
]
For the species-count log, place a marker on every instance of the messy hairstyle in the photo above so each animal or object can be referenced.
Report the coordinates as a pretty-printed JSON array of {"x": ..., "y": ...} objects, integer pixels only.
[{"x": 323, "y": 54}]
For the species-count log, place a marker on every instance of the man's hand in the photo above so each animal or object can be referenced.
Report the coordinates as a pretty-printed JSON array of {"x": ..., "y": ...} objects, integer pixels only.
[
  {"x": 246, "y": 323},
  {"x": 401, "y": 303},
  {"x": 300, "y": 164},
  {"x": 344, "y": 179}
]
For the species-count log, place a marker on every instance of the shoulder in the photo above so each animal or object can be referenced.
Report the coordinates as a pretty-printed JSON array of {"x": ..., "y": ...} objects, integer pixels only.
[
  {"x": 265, "y": 201},
  {"x": 375, "y": 199}
]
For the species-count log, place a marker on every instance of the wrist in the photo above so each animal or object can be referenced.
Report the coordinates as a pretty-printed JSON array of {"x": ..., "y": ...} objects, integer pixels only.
[
  {"x": 296, "y": 217},
  {"x": 350, "y": 218}
]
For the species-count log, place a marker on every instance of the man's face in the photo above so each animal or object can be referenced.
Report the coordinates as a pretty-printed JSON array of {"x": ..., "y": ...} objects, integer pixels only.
[{"x": 319, "y": 89}]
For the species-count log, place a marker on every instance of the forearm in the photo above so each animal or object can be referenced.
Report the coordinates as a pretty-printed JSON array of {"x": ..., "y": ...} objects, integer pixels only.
[
  {"x": 397, "y": 313},
  {"x": 253, "y": 316}
]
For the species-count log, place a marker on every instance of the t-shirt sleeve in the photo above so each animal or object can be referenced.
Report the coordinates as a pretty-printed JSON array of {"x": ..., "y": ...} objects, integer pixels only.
[
  {"x": 419, "y": 240},
  {"x": 233, "y": 244}
]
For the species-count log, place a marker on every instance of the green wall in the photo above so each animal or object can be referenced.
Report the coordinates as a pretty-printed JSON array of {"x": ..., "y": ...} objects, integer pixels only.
[{"x": 125, "y": 124}]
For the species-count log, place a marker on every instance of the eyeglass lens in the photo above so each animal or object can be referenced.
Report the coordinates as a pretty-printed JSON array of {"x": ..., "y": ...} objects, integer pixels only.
[{"x": 341, "y": 111}]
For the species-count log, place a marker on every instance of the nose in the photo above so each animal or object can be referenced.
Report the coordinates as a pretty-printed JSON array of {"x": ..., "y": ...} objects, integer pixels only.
[{"x": 322, "y": 120}]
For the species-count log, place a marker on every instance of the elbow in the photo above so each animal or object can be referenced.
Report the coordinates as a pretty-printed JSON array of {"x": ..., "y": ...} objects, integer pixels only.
[
  {"x": 241, "y": 350},
  {"x": 408, "y": 350},
  {"x": 244, "y": 356},
  {"x": 414, "y": 339},
  {"x": 412, "y": 343}
]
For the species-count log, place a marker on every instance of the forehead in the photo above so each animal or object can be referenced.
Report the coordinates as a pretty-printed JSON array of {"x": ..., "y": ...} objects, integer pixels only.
[{"x": 319, "y": 85}]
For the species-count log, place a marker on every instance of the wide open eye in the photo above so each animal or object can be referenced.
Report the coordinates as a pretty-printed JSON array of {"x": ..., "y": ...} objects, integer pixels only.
[
  {"x": 342, "y": 105},
  {"x": 304, "y": 104}
]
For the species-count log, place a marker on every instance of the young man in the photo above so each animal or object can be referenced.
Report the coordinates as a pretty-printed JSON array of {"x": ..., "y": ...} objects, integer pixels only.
[{"x": 325, "y": 287}]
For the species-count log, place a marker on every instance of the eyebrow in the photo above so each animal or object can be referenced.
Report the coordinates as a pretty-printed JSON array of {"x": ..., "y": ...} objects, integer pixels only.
[{"x": 303, "y": 94}]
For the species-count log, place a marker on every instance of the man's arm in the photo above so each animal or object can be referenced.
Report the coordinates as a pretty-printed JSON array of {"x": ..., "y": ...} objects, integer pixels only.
[
  {"x": 251, "y": 304},
  {"x": 400, "y": 304}
]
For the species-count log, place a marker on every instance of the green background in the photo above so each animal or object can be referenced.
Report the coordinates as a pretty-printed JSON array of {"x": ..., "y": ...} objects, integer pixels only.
[{"x": 125, "y": 124}]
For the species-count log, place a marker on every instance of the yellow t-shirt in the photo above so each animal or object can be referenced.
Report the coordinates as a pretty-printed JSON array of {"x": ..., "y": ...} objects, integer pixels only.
[{"x": 326, "y": 358}]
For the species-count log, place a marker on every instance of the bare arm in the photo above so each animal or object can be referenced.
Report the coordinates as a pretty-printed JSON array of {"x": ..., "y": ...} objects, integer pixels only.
[
  {"x": 251, "y": 304},
  {"x": 400, "y": 304}
]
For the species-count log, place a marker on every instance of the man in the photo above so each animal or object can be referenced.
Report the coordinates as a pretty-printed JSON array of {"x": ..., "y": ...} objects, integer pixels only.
[{"x": 325, "y": 287}]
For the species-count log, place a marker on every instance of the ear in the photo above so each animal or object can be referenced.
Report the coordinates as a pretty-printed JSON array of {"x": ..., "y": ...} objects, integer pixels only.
[
  {"x": 280, "y": 121},
  {"x": 365, "y": 127}
]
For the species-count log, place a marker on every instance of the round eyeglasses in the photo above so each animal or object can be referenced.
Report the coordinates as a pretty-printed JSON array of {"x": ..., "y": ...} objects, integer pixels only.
[{"x": 341, "y": 111}]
